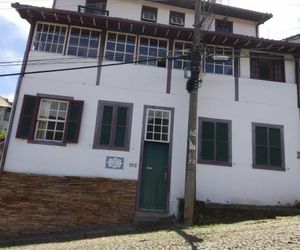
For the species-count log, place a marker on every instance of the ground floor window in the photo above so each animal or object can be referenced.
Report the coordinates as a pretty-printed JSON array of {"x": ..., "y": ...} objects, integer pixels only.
[
  {"x": 268, "y": 147},
  {"x": 50, "y": 119},
  {"x": 113, "y": 125},
  {"x": 214, "y": 141}
]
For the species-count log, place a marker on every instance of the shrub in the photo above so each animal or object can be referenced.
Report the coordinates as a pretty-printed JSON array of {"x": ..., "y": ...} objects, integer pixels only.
[{"x": 2, "y": 135}]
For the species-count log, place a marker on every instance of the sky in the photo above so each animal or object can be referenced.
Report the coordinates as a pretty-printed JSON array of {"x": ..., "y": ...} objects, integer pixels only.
[{"x": 14, "y": 30}]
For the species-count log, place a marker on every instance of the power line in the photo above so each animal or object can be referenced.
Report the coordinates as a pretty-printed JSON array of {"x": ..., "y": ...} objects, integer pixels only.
[{"x": 89, "y": 67}]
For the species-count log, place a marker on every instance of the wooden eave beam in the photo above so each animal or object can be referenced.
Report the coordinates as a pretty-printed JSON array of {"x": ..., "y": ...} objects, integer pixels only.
[
  {"x": 258, "y": 45},
  {"x": 236, "y": 42},
  {"x": 247, "y": 43}
]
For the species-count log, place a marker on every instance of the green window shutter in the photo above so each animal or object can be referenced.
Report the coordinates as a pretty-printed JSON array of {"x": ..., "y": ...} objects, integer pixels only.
[
  {"x": 222, "y": 148},
  {"x": 275, "y": 147},
  {"x": 106, "y": 126},
  {"x": 208, "y": 137},
  {"x": 261, "y": 145},
  {"x": 28, "y": 115},
  {"x": 120, "y": 132},
  {"x": 73, "y": 121}
]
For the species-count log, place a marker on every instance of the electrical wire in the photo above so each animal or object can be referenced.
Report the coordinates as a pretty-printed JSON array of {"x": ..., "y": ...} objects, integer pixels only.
[{"x": 88, "y": 67}]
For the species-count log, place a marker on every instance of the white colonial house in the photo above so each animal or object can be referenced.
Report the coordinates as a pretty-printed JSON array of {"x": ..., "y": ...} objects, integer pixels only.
[
  {"x": 121, "y": 114},
  {"x": 5, "y": 108}
]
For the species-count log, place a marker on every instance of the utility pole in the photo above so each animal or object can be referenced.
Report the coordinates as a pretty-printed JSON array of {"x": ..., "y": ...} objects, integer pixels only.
[{"x": 192, "y": 88}]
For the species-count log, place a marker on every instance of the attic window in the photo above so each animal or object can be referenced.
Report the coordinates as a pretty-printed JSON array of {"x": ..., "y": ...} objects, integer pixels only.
[
  {"x": 149, "y": 14},
  {"x": 224, "y": 26},
  {"x": 177, "y": 18},
  {"x": 96, "y": 4}
]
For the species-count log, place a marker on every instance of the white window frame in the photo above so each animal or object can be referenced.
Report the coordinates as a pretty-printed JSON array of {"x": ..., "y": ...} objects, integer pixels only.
[
  {"x": 55, "y": 25},
  {"x": 47, "y": 120},
  {"x": 121, "y": 33},
  {"x": 183, "y": 60},
  {"x": 214, "y": 64},
  {"x": 148, "y": 57},
  {"x": 84, "y": 28},
  {"x": 153, "y": 132}
]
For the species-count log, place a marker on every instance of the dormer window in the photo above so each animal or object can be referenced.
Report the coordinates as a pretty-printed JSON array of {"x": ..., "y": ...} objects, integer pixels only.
[
  {"x": 224, "y": 26},
  {"x": 177, "y": 18},
  {"x": 149, "y": 14}
]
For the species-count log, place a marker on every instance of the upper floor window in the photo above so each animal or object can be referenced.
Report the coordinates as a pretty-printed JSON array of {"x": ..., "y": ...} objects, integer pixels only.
[
  {"x": 267, "y": 67},
  {"x": 84, "y": 42},
  {"x": 268, "y": 147},
  {"x": 177, "y": 18},
  {"x": 149, "y": 14},
  {"x": 213, "y": 65},
  {"x": 113, "y": 125},
  {"x": 223, "y": 26},
  {"x": 120, "y": 47},
  {"x": 214, "y": 141},
  {"x": 181, "y": 48},
  {"x": 49, "y": 38},
  {"x": 153, "y": 51}
]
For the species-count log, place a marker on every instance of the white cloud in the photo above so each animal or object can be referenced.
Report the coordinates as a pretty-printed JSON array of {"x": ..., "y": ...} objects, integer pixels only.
[{"x": 12, "y": 16}]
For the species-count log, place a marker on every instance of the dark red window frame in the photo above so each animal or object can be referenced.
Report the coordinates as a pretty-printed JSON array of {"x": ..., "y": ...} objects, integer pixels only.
[
  {"x": 29, "y": 113},
  {"x": 267, "y": 67}
]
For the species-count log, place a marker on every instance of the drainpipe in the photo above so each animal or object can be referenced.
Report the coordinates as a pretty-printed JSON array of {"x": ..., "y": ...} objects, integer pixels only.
[{"x": 16, "y": 98}]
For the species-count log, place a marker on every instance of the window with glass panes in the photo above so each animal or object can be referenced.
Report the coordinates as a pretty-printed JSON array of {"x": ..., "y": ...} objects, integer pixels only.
[
  {"x": 120, "y": 47},
  {"x": 49, "y": 38},
  {"x": 215, "y": 66},
  {"x": 151, "y": 49},
  {"x": 181, "y": 48},
  {"x": 84, "y": 42},
  {"x": 158, "y": 125},
  {"x": 214, "y": 141},
  {"x": 268, "y": 146},
  {"x": 113, "y": 125},
  {"x": 51, "y": 120}
]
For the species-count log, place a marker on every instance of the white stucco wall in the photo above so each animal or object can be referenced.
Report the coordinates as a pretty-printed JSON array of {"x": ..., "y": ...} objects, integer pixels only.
[
  {"x": 260, "y": 101},
  {"x": 131, "y": 9}
]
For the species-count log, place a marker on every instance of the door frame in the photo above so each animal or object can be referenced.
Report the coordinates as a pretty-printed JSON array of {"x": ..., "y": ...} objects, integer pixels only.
[{"x": 168, "y": 181}]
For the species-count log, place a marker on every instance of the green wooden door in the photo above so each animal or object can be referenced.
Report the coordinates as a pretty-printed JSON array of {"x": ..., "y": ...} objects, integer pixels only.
[{"x": 154, "y": 176}]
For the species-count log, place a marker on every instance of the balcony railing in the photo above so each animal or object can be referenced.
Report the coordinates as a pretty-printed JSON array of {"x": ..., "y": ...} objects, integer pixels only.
[{"x": 92, "y": 10}]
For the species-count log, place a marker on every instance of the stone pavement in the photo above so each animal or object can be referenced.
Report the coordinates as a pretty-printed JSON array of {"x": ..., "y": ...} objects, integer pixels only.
[{"x": 279, "y": 233}]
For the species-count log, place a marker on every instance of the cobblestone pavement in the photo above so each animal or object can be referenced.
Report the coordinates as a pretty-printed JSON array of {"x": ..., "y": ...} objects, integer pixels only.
[{"x": 279, "y": 233}]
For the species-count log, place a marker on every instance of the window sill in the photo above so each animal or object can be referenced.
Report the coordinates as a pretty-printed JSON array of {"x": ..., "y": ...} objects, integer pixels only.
[
  {"x": 267, "y": 80},
  {"x": 272, "y": 168},
  {"x": 216, "y": 163},
  {"x": 126, "y": 149},
  {"x": 48, "y": 143}
]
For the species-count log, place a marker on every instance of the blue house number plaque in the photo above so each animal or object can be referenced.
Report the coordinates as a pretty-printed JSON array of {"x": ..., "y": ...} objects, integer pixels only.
[{"x": 113, "y": 162}]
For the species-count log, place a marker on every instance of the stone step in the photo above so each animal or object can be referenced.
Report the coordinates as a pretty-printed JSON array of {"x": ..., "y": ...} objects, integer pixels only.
[{"x": 150, "y": 219}]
